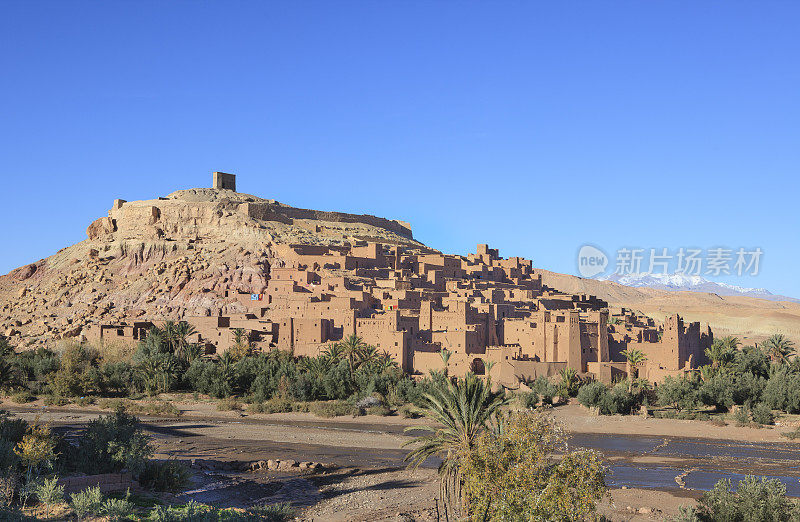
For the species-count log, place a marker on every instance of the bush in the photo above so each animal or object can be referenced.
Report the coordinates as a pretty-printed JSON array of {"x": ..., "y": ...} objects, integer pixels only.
[
  {"x": 156, "y": 408},
  {"x": 678, "y": 393},
  {"x": 380, "y": 410},
  {"x": 117, "y": 508},
  {"x": 49, "y": 492},
  {"x": 754, "y": 500},
  {"x": 195, "y": 512},
  {"x": 593, "y": 394},
  {"x": 717, "y": 392},
  {"x": 762, "y": 414},
  {"x": 23, "y": 397},
  {"x": 528, "y": 400},
  {"x": 55, "y": 400},
  {"x": 78, "y": 372},
  {"x": 333, "y": 409},
  {"x": 87, "y": 502},
  {"x": 742, "y": 415},
  {"x": 618, "y": 401},
  {"x": 111, "y": 443},
  {"x": 409, "y": 411},
  {"x": 782, "y": 391},
  {"x": 229, "y": 404},
  {"x": 169, "y": 476},
  {"x": 513, "y": 475},
  {"x": 544, "y": 389}
]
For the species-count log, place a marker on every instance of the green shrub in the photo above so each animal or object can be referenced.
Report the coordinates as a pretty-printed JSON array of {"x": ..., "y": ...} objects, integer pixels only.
[
  {"x": 87, "y": 502},
  {"x": 84, "y": 401},
  {"x": 742, "y": 415},
  {"x": 274, "y": 405},
  {"x": 23, "y": 397},
  {"x": 12, "y": 429},
  {"x": 49, "y": 492},
  {"x": 111, "y": 443},
  {"x": 78, "y": 372},
  {"x": 380, "y": 410},
  {"x": 544, "y": 389},
  {"x": 168, "y": 476},
  {"x": 782, "y": 391},
  {"x": 282, "y": 512},
  {"x": 55, "y": 400},
  {"x": 593, "y": 394},
  {"x": 717, "y": 391},
  {"x": 229, "y": 404},
  {"x": 195, "y": 512},
  {"x": 409, "y": 411},
  {"x": 762, "y": 414},
  {"x": 117, "y": 508},
  {"x": 528, "y": 399},
  {"x": 678, "y": 393},
  {"x": 753, "y": 500},
  {"x": 333, "y": 409},
  {"x": 618, "y": 401}
]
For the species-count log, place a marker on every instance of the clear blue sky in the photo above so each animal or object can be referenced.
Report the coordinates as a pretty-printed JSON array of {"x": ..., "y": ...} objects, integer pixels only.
[{"x": 535, "y": 126}]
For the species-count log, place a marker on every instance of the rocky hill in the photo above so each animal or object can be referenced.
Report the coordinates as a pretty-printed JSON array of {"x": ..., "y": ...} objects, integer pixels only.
[{"x": 170, "y": 257}]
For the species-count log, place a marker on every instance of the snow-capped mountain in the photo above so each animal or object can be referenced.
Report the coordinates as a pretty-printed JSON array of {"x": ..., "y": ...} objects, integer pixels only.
[{"x": 681, "y": 282}]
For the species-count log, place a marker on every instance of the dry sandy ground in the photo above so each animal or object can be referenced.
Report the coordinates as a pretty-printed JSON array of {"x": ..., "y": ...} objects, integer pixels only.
[
  {"x": 577, "y": 419},
  {"x": 370, "y": 482}
]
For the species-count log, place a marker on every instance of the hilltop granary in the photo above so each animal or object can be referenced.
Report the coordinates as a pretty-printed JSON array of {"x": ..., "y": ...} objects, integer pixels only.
[{"x": 413, "y": 303}]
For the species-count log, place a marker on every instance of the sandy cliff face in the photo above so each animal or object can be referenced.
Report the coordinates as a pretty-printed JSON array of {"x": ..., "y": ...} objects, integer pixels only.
[{"x": 168, "y": 258}]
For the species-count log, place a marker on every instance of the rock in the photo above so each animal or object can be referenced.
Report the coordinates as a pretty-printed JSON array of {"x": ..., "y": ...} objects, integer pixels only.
[
  {"x": 304, "y": 465},
  {"x": 368, "y": 402},
  {"x": 273, "y": 464},
  {"x": 645, "y": 510},
  {"x": 287, "y": 464},
  {"x": 100, "y": 228}
]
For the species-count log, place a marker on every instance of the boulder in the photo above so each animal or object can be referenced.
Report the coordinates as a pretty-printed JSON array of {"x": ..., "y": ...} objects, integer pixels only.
[{"x": 100, "y": 228}]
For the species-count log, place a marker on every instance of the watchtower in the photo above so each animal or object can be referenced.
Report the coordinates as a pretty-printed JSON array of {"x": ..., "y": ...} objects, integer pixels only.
[{"x": 224, "y": 181}]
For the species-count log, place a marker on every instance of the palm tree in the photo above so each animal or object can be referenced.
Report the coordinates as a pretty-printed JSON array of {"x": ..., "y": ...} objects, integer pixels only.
[
  {"x": 7, "y": 375},
  {"x": 778, "y": 347},
  {"x": 170, "y": 335},
  {"x": 181, "y": 333},
  {"x": 463, "y": 408},
  {"x": 633, "y": 357},
  {"x": 489, "y": 365},
  {"x": 351, "y": 347},
  {"x": 445, "y": 355},
  {"x": 569, "y": 379},
  {"x": 241, "y": 344},
  {"x": 333, "y": 352},
  {"x": 369, "y": 354},
  {"x": 316, "y": 366},
  {"x": 720, "y": 352}
]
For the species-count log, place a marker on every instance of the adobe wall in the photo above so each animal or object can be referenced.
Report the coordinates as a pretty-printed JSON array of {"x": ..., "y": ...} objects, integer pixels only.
[{"x": 271, "y": 212}]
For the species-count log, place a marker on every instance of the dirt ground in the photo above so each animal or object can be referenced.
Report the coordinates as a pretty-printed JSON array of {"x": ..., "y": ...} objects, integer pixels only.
[{"x": 366, "y": 478}]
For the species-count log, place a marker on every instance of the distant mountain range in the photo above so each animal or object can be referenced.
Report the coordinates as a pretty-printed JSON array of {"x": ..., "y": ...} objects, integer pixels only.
[{"x": 681, "y": 282}]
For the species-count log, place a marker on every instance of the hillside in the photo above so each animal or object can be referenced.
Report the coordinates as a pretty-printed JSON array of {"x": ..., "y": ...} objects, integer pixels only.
[{"x": 170, "y": 257}]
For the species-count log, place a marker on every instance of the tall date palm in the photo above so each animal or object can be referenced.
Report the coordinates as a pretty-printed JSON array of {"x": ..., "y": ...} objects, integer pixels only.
[{"x": 463, "y": 408}]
